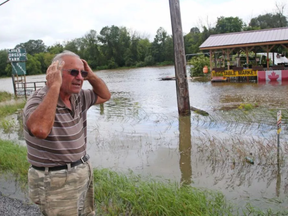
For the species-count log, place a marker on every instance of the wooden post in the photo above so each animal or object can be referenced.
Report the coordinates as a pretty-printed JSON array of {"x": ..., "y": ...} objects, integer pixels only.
[
  {"x": 211, "y": 66},
  {"x": 180, "y": 60}
]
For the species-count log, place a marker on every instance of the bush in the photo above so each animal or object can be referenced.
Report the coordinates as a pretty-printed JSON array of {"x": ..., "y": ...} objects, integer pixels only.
[
  {"x": 198, "y": 62},
  {"x": 149, "y": 60},
  {"x": 140, "y": 64},
  {"x": 165, "y": 63},
  {"x": 112, "y": 64},
  {"x": 104, "y": 67}
]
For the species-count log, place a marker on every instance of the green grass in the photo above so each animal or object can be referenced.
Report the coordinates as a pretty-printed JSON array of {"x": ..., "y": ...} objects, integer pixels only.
[
  {"x": 8, "y": 125},
  {"x": 13, "y": 160},
  {"x": 10, "y": 109},
  {"x": 119, "y": 194},
  {"x": 4, "y": 96},
  {"x": 246, "y": 106}
]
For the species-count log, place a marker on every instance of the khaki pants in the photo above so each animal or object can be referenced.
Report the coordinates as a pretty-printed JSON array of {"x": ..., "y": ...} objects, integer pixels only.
[{"x": 65, "y": 192}]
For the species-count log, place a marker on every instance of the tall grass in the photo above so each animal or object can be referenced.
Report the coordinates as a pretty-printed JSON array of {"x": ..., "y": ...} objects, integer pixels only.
[
  {"x": 8, "y": 109},
  {"x": 13, "y": 160},
  {"x": 119, "y": 194},
  {"x": 4, "y": 96}
]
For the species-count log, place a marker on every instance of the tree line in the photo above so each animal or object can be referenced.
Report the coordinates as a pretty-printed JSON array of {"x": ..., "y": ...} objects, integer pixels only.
[{"x": 115, "y": 47}]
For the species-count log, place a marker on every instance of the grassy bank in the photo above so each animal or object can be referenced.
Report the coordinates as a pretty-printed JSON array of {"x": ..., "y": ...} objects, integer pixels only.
[{"x": 129, "y": 194}]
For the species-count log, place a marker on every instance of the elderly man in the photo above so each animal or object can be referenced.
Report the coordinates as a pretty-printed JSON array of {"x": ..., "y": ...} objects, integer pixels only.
[{"x": 60, "y": 178}]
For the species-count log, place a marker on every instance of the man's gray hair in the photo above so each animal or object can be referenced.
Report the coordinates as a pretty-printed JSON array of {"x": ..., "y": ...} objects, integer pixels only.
[{"x": 59, "y": 56}]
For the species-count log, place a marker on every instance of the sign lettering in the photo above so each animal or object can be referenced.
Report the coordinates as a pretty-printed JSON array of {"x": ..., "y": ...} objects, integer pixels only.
[
  {"x": 232, "y": 73},
  {"x": 17, "y": 55}
]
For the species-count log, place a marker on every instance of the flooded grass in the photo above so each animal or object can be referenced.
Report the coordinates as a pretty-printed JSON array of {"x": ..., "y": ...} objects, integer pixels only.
[
  {"x": 4, "y": 96},
  {"x": 13, "y": 160},
  {"x": 263, "y": 152},
  {"x": 7, "y": 123},
  {"x": 130, "y": 194},
  {"x": 118, "y": 194},
  {"x": 247, "y": 114},
  {"x": 6, "y": 110}
]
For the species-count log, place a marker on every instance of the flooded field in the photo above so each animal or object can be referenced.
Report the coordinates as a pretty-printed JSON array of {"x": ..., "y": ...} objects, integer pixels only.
[{"x": 139, "y": 130}]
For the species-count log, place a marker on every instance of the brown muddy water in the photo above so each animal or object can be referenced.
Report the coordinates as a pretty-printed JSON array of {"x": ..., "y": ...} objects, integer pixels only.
[{"x": 139, "y": 130}]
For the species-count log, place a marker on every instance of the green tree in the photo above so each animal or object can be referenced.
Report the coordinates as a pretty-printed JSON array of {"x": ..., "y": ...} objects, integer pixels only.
[
  {"x": 228, "y": 24},
  {"x": 33, "y": 66},
  {"x": 3, "y": 62},
  {"x": 91, "y": 50},
  {"x": 132, "y": 55},
  {"x": 33, "y": 46},
  {"x": 8, "y": 70},
  {"x": 55, "y": 49},
  {"x": 45, "y": 60},
  {"x": 158, "y": 45},
  {"x": 114, "y": 43},
  {"x": 268, "y": 20},
  {"x": 192, "y": 41},
  {"x": 71, "y": 46},
  {"x": 143, "y": 49},
  {"x": 197, "y": 63},
  {"x": 169, "y": 50}
]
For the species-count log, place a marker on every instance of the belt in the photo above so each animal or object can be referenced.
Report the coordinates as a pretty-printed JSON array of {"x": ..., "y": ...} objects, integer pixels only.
[{"x": 73, "y": 164}]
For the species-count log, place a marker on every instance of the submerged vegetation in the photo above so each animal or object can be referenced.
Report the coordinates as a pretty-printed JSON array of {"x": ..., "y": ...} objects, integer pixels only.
[
  {"x": 247, "y": 106},
  {"x": 8, "y": 124},
  {"x": 4, "y": 96},
  {"x": 130, "y": 194}
]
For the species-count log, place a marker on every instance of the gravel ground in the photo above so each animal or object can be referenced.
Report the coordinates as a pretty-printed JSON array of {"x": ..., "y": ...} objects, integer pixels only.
[{"x": 11, "y": 207}]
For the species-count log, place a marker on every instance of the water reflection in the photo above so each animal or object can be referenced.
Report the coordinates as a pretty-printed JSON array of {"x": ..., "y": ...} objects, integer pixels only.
[
  {"x": 278, "y": 182},
  {"x": 185, "y": 149}
]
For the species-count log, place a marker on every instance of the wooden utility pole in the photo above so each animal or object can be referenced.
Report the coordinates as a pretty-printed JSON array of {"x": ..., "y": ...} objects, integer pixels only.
[{"x": 180, "y": 60}]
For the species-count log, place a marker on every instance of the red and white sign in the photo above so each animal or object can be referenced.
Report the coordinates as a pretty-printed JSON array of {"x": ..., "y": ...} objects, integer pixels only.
[{"x": 273, "y": 76}]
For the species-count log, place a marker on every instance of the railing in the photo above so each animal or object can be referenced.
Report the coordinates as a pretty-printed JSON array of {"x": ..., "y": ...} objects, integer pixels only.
[{"x": 24, "y": 89}]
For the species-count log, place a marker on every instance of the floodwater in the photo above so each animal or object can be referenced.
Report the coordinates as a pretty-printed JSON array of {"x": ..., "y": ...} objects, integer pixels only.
[{"x": 139, "y": 130}]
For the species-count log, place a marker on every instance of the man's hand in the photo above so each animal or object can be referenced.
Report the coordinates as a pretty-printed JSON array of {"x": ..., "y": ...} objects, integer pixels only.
[
  {"x": 99, "y": 86},
  {"x": 88, "y": 69},
  {"x": 54, "y": 74}
]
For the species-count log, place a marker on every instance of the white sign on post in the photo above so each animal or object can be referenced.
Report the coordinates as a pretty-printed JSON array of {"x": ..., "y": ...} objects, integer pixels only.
[{"x": 279, "y": 116}]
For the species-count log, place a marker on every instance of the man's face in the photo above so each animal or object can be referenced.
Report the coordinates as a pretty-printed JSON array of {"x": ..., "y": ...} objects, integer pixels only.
[{"x": 71, "y": 84}]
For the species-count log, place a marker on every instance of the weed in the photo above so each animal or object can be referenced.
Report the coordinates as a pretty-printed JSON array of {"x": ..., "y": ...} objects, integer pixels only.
[
  {"x": 4, "y": 96},
  {"x": 246, "y": 106},
  {"x": 8, "y": 125}
]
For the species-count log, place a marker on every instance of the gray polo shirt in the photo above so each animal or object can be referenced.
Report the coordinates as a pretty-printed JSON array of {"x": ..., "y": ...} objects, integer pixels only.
[{"x": 67, "y": 139}]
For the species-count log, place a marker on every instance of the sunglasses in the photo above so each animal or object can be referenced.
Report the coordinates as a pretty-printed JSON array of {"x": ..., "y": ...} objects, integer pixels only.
[{"x": 74, "y": 72}]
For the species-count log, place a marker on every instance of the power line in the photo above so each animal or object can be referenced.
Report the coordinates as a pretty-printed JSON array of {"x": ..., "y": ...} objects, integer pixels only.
[{"x": 4, "y": 2}]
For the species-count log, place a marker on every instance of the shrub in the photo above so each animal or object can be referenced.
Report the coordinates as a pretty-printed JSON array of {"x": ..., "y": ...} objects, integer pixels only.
[
  {"x": 140, "y": 64},
  {"x": 149, "y": 60},
  {"x": 198, "y": 62}
]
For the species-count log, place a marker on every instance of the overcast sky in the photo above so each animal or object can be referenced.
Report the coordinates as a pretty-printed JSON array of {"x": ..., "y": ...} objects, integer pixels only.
[{"x": 61, "y": 20}]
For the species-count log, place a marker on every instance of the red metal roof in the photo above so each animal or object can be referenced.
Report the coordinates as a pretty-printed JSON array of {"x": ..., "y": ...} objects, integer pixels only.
[{"x": 247, "y": 38}]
